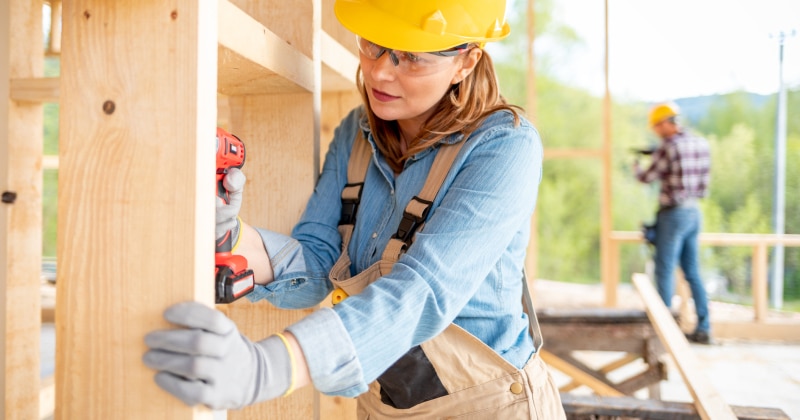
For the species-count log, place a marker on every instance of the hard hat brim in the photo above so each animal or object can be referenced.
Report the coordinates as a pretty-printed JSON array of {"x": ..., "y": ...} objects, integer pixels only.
[{"x": 375, "y": 25}]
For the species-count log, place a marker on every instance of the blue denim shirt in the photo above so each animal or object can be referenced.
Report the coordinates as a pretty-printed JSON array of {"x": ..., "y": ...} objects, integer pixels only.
[{"x": 464, "y": 267}]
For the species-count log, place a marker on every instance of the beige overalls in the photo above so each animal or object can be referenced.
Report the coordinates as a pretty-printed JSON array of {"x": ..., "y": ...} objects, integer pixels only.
[{"x": 454, "y": 375}]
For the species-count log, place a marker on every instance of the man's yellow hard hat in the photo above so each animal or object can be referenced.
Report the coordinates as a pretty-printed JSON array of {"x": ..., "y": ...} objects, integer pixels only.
[
  {"x": 661, "y": 112},
  {"x": 424, "y": 25}
]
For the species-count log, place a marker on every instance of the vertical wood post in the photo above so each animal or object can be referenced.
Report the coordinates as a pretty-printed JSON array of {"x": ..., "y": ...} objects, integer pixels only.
[
  {"x": 136, "y": 200},
  {"x": 606, "y": 216},
  {"x": 532, "y": 254},
  {"x": 21, "y": 56},
  {"x": 759, "y": 281},
  {"x": 612, "y": 283},
  {"x": 54, "y": 41}
]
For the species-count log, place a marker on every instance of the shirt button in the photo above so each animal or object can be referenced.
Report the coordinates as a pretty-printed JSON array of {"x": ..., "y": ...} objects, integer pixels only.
[
  {"x": 516, "y": 388},
  {"x": 374, "y": 235}
]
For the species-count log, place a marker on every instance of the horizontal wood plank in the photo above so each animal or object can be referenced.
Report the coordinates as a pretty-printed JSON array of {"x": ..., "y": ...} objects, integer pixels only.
[{"x": 583, "y": 406}]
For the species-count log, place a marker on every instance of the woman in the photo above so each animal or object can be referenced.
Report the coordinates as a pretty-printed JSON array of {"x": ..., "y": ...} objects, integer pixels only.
[{"x": 418, "y": 225}]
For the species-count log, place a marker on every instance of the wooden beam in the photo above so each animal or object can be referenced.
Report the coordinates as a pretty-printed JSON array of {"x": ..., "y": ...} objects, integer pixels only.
[
  {"x": 709, "y": 403},
  {"x": 49, "y": 162},
  {"x": 606, "y": 196},
  {"x": 253, "y": 59},
  {"x": 338, "y": 66},
  {"x": 36, "y": 89},
  {"x": 567, "y": 357},
  {"x": 652, "y": 375},
  {"x": 54, "y": 40},
  {"x": 611, "y": 285},
  {"x": 721, "y": 239},
  {"x": 21, "y": 145},
  {"x": 573, "y": 153},
  {"x": 578, "y": 375},
  {"x": 532, "y": 251},
  {"x": 593, "y": 406},
  {"x": 135, "y": 233},
  {"x": 783, "y": 331}
]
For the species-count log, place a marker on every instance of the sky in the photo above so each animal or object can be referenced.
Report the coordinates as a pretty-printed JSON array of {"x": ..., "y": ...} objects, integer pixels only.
[
  {"x": 661, "y": 50},
  {"x": 665, "y": 50}
]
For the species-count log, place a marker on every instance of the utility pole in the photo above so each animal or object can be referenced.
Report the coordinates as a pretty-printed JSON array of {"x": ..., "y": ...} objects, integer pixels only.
[{"x": 776, "y": 287}]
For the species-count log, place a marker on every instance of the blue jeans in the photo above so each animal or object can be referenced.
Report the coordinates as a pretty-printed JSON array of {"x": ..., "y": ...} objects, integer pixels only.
[{"x": 676, "y": 240}]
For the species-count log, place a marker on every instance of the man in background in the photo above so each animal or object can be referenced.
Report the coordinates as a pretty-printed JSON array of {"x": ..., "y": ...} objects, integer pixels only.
[{"x": 682, "y": 164}]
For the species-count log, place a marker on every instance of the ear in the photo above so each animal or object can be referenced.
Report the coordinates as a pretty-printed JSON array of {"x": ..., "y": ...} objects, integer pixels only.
[{"x": 468, "y": 63}]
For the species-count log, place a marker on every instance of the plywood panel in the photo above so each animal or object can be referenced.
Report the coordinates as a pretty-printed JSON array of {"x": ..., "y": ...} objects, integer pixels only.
[
  {"x": 21, "y": 56},
  {"x": 136, "y": 206},
  {"x": 335, "y": 106}
]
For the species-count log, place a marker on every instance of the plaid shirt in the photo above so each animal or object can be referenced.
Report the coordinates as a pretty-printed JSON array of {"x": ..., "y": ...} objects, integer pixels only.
[{"x": 683, "y": 165}]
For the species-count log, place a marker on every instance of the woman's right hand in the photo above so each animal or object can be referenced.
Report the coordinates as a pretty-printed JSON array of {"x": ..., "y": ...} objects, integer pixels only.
[{"x": 226, "y": 214}]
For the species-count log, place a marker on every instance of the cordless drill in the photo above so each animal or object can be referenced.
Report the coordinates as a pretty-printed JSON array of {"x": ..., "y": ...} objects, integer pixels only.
[{"x": 232, "y": 277}]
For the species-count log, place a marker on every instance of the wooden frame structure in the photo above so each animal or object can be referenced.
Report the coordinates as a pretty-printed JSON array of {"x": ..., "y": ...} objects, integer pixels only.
[{"x": 142, "y": 85}]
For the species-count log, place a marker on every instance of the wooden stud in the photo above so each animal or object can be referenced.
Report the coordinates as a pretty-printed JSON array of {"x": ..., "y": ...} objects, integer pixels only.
[
  {"x": 136, "y": 207},
  {"x": 612, "y": 284},
  {"x": 532, "y": 251},
  {"x": 54, "y": 41},
  {"x": 256, "y": 59},
  {"x": 709, "y": 403},
  {"x": 759, "y": 282},
  {"x": 606, "y": 197},
  {"x": 20, "y": 211}
]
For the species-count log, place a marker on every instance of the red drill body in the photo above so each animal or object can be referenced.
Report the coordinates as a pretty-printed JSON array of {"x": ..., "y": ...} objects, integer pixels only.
[{"x": 233, "y": 278}]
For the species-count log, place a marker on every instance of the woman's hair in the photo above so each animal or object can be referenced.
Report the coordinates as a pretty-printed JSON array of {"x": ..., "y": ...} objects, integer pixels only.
[{"x": 462, "y": 110}]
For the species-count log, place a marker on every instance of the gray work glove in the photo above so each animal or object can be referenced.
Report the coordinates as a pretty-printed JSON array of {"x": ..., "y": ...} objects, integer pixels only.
[
  {"x": 209, "y": 362},
  {"x": 227, "y": 213}
]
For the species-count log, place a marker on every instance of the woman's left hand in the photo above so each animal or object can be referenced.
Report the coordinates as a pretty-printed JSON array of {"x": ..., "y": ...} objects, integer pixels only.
[{"x": 209, "y": 362}]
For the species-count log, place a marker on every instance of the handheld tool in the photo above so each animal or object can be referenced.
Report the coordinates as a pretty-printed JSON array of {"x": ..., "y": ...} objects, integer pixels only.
[{"x": 232, "y": 277}]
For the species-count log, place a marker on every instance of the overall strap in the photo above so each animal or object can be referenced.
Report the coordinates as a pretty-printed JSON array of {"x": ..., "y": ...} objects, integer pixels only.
[
  {"x": 417, "y": 209},
  {"x": 357, "y": 166},
  {"x": 527, "y": 305}
]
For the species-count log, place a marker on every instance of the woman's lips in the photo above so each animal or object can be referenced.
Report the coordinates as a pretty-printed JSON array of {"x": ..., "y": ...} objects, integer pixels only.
[{"x": 383, "y": 96}]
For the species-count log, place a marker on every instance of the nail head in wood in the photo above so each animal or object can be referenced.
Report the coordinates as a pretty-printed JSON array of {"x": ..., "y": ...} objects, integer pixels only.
[{"x": 9, "y": 197}]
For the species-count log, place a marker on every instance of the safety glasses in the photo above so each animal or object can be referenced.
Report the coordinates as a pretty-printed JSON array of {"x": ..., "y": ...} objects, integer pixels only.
[{"x": 411, "y": 63}]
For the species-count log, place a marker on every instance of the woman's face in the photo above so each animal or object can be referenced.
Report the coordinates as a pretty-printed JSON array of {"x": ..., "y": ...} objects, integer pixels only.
[{"x": 410, "y": 98}]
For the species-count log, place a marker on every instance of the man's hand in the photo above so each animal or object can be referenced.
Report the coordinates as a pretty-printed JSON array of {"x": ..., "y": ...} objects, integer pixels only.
[
  {"x": 226, "y": 214},
  {"x": 209, "y": 362}
]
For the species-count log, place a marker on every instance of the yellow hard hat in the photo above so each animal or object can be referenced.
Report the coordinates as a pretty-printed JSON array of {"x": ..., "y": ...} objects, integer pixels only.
[
  {"x": 424, "y": 25},
  {"x": 661, "y": 112}
]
